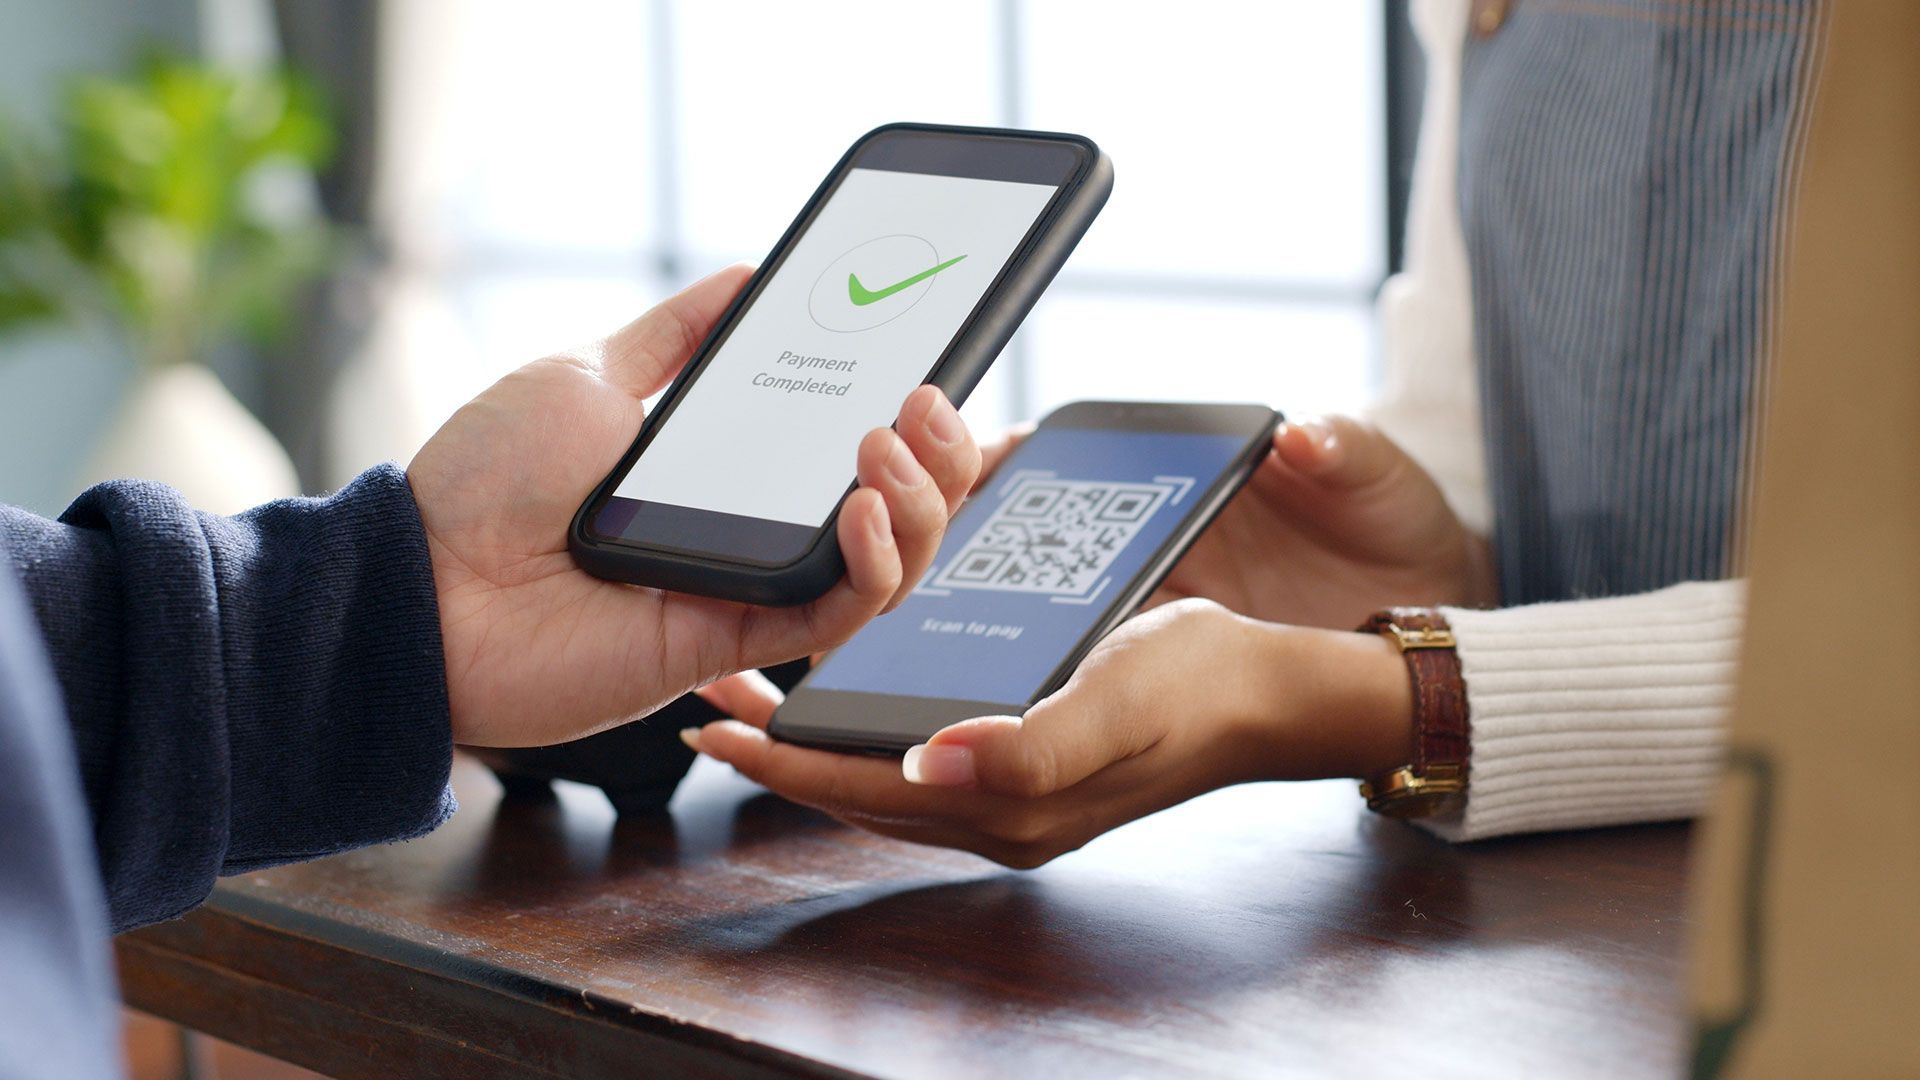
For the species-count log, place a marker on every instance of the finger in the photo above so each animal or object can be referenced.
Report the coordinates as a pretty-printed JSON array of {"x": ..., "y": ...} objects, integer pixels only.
[
  {"x": 1303, "y": 445},
  {"x": 1338, "y": 451},
  {"x": 940, "y": 441},
  {"x": 914, "y": 503},
  {"x": 644, "y": 355},
  {"x": 840, "y": 784},
  {"x": 747, "y": 696},
  {"x": 1060, "y": 742},
  {"x": 992, "y": 454},
  {"x": 873, "y": 576},
  {"x": 870, "y": 794},
  {"x": 1025, "y": 833}
]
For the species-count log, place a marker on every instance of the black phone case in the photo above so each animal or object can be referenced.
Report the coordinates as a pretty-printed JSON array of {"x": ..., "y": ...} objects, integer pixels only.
[{"x": 1000, "y": 313}]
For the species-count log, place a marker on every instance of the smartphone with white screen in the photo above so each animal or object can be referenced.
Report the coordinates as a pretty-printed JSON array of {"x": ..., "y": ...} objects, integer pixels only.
[
  {"x": 914, "y": 262},
  {"x": 1074, "y": 530}
]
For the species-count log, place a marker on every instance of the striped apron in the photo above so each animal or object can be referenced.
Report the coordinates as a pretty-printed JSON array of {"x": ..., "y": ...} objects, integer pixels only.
[{"x": 1625, "y": 169}]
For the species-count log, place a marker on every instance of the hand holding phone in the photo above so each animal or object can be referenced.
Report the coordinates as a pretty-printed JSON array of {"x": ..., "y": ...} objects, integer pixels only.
[
  {"x": 1176, "y": 702},
  {"x": 538, "y": 653},
  {"x": 914, "y": 262}
]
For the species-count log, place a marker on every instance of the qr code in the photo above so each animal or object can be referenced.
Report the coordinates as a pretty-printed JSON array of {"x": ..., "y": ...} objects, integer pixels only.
[{"x": 1054, "y": 536}]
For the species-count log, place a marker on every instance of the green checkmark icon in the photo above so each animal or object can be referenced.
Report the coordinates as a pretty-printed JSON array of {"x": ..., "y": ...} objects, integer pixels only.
[{"x": 862, "y": 296}]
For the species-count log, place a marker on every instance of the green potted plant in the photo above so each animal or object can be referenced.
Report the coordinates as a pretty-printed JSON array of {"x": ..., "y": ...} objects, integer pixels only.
[{"x": 171, "y": 214}]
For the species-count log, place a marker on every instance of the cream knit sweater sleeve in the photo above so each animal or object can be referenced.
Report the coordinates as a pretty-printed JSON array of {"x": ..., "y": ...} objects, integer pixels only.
[
  {"x": 1588, "y": 712},
  {"x": 1596, "y": 712}
]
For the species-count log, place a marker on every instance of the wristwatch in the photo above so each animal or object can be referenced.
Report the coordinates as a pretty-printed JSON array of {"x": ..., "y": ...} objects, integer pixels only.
[{"x": 1436, "y": 781}]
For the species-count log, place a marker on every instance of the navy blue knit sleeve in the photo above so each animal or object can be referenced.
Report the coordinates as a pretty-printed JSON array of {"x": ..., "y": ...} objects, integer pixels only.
[{"x": 243, "y": 691}]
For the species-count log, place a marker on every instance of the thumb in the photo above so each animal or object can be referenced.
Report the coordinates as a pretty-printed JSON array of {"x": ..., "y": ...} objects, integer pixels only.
[
  {"x": 1339, "y": 452},
  {"x": 644, "y": 355},
  {"x": 1055, "y": 746}
]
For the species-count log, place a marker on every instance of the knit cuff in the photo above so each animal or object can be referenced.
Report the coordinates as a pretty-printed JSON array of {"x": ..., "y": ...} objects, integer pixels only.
[
  {"x": 337, "y": 714},
  {"x": 1595, "y": 712}
]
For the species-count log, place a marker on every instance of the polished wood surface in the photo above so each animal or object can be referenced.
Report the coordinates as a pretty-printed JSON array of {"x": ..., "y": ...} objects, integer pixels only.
[{"x": 1269, "y": 929}]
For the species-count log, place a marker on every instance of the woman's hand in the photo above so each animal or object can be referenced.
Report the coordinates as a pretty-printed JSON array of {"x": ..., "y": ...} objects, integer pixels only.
[
  {"x": 539, "y": 652},
  {"x": 1179, "y": 701},
  {"x": 1336, "y": 523}
]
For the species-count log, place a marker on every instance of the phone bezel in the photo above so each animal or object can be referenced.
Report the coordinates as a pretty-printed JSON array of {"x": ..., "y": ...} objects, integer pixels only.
[
  {"x": 893, "y": 146},
  {"x": 816, "y": 717}
]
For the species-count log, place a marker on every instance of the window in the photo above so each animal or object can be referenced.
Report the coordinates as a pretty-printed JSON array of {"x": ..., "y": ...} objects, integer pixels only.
[{"x": 572, "y": 164}]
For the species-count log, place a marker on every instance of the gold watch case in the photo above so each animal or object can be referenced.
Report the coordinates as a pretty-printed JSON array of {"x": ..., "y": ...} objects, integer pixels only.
[{"x": 1406, "y": 795}]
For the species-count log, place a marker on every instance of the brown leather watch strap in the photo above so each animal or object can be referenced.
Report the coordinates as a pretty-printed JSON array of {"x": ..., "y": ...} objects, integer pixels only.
[{"x": 1440, "y": 725}]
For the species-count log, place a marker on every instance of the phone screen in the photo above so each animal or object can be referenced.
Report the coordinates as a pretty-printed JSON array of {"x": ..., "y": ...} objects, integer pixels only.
[
  {"x": 856, "y": 314},
  {"x": 1032, "y": 563}
]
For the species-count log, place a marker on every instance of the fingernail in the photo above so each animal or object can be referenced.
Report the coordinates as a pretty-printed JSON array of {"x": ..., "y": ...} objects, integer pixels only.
[
  {"x": 691, "y": 736},
  {"x": 944, "y": 422},
  {"x": 1317, "y": 433},
  {"x": 882, "y": 526},
  {"x": 940, "y": 766},
  {"x": 903, "y": 468}
]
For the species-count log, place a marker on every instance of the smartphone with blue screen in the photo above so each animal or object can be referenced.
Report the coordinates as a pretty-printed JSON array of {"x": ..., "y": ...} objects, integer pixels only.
[{"x": 1074, "y": 530}]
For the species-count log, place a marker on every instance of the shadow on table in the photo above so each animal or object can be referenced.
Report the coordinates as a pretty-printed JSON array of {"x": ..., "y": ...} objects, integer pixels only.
[
  {"x": 1087, "y": 930},
  {"x": 1193, "y": 901},
  {"x": 1243, "y": 889},
  {"x": 545, "y": 851}
]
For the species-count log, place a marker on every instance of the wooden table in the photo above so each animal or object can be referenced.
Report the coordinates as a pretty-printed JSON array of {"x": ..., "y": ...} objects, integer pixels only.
[{"x": 1270, "y": 929}]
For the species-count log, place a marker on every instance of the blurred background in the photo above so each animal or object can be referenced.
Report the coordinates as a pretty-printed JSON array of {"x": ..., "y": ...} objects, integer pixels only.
[{"x": 252, "y": 246}]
